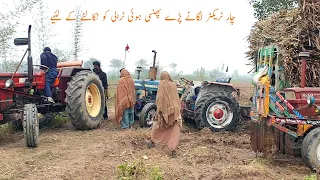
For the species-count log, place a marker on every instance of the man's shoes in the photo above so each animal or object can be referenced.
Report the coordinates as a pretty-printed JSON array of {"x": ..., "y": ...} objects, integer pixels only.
[
  {"x": 50, "y": 100},
  {"x": 173, "y": 154},
  {"x": 106, "y": 118}
]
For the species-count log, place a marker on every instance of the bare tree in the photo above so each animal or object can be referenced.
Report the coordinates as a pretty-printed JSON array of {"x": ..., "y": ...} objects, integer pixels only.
[
  {"x": 42, "y": 27},
  {"x": 174, "y": 67},
  {"x": 77, "y": 33},
  {"x": 8, "y": 23},
  {"x": 61, "y": 54}
]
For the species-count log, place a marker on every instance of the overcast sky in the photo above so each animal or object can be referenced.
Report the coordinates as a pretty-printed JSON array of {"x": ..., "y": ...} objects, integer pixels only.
[{"x": 191, "y": 44}]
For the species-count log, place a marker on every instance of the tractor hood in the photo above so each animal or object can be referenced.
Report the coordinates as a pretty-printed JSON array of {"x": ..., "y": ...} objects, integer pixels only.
[
  {"x": 146, "y": 84},
  {"x": 150, "y": 85}
]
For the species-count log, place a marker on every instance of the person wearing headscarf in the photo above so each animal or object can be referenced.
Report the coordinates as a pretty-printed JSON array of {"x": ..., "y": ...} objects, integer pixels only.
[
  {"x": 167, "y": 120},
  {"x": 125, "y": 100}
]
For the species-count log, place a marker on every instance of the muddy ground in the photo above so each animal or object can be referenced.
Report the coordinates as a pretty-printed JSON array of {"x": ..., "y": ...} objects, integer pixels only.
[{"x": 65, "y": 153}]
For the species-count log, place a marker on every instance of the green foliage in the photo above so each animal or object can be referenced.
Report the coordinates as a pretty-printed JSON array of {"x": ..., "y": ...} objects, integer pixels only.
[
  {"x": 77, "y": 33},
  {"x": 145, "y": 68},
  {"x": 117, "y": 64},
  {"x": 9, "y": 19},
  {"x": 60, "y": 120},
  {"x": 88, "y": 64},
  {"x": 5, "y": 131},
  {"x": 156, "y": 173},
  {"x": 264, "y": 8},
  {"x": 312, "y": 177},
  {"x": 138, "y": 171}
]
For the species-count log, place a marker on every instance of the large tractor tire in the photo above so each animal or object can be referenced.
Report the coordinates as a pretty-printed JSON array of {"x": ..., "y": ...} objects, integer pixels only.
[
  {"x": 217, "y": 110},
  {"x": 85, "y": 100},
  {"x": 147, "y": 114},
  {"x": 310, "y": 150},
  {"x": 30, "y": 125}
]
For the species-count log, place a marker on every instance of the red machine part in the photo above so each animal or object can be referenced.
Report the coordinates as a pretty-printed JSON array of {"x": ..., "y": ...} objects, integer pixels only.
[{"x": 300, "y": 100}]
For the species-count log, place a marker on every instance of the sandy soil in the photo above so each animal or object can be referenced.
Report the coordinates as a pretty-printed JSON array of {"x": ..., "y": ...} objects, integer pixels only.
[{"x": 66, "y": 153}]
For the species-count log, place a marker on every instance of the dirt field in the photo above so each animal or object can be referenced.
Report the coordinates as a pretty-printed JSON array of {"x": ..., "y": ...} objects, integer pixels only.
[{"x": 65, "y": 153}]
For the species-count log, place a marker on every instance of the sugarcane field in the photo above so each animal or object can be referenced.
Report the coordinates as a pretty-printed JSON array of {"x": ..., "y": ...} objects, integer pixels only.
[{"x": 129, "y": 90}]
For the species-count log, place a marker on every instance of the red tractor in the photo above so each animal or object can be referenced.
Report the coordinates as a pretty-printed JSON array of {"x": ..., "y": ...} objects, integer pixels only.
[{"x": 76, "y": 90}]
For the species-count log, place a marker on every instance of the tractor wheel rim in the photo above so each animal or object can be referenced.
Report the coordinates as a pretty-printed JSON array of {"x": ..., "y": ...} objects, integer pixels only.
[
  {"x": 93, "y": 100},
  {"x": 149, "y": 118},
  {"x": 318, "y": 152},
  {"x": 219, "y": 114}
]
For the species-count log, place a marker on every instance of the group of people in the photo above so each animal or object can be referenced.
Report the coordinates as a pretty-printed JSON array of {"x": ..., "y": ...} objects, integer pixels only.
[{"x": 167, "y": 120}]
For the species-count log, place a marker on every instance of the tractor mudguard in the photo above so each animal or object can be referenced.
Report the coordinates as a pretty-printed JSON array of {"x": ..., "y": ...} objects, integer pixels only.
[
  {"x": 70, "y": 71},
  {"x": 229, "y": 88}
]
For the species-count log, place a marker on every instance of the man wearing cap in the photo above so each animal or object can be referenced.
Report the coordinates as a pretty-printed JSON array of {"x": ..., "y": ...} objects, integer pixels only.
[
  {"x": 49, "y": 60},
  {"x": 103, "y": 77}
]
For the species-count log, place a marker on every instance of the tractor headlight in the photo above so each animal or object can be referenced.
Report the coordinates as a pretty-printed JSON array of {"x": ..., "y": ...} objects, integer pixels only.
[{"x": 8, "y": 83}]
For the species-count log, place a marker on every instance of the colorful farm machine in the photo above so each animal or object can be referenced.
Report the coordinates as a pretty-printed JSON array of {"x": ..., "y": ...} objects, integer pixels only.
[{"x": 284, "y": 118}]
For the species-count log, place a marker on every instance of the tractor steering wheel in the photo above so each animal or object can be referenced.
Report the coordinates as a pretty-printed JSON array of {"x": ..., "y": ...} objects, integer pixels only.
[
  {"x": 187, "y": 81},
  {"x": 47, "y": 68}
]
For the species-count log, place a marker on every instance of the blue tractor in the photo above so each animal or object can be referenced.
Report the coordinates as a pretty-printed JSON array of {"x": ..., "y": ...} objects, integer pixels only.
[{"x": 146, "y": 92}]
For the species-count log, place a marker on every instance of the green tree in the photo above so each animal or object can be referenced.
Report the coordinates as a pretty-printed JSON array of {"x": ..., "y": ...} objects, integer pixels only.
[
  {"x": 200, "y": 74},
  {"x": 116, "y": 64},
  {"x": 77, "y": 33},
  {"x": 9, "y": 20},
  {"x": 61, "y": 54},
  {"x": 264, "y": 8},
  {"x": 88, "y": 64},
  {"x": 42, "y": 29},
  {"x": 174, "y": 67},
  {"x": 145, "y": 70}
]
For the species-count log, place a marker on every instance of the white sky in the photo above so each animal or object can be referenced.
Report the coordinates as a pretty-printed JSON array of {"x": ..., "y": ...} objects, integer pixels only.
[{"x": 191, "y": 45}]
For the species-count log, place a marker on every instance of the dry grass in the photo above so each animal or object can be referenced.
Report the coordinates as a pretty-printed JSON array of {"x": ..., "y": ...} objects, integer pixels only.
[{"x": 66, "y": 153}]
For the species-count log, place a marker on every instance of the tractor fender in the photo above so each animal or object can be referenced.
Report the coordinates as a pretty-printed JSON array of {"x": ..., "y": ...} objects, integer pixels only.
[
  {"x": 229, "y": 88},
  {"x": 67, "y": 72},
  {"x": 216, "y": 86}
]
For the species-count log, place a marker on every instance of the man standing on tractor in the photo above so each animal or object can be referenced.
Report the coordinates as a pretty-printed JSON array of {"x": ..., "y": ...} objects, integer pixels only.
[
  {"x": 125, "y": 100},
  {"x": 103, "y": 77},
  {"x": 49, "y": 60}
]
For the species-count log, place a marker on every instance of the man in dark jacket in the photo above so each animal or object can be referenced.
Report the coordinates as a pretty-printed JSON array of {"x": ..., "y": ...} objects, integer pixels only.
[
  {"x": 50, "y": 60},
  {"x": 103, "y": 77}
]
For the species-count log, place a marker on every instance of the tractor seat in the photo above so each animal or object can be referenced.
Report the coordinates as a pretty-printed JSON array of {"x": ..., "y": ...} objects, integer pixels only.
[
  {"x": 57, "y": 80},
  {"x": 224, "y": 80}
]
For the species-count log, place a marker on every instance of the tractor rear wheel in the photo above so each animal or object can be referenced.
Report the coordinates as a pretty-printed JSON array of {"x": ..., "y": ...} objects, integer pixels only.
[
  {"x": 310, "y": 150},
  {"x": 217, "y": 110},
  {"x": 146, "y": 115},
  {"x": 85, "y": 100},
  {"x": 30, "y": 125}
]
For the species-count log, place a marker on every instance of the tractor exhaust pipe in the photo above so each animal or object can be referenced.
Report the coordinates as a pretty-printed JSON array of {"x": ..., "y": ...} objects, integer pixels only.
[
  {"x": 153, "y": 69},
  {"x": 139, "y": 69},
  {"x": 303, "y": 56},
  {"x": 30, "y": 63}
]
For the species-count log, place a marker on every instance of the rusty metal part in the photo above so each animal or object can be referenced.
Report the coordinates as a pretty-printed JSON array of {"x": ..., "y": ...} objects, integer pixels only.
[
  {"x": 262, "y": 139},
  {"x": 69, "y": 64},
  {"x": 153, "y": 73}
]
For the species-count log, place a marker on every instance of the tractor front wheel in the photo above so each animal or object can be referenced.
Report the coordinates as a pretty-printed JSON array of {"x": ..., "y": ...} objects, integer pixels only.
[
  {"x": 147, "y": 114},
  {"x": 30, "y": 125},
  {"x": 217, "y": 110},
  {"x": 310, "y": 150},
  {"x": 85, "y": 100}
]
